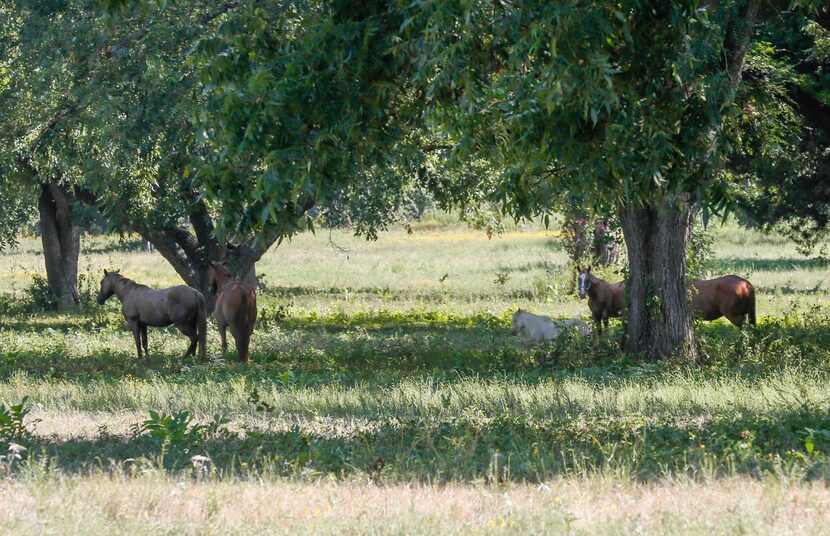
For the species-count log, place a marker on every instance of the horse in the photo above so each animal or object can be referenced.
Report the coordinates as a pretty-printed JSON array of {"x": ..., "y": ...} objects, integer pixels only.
[
  {"x": 730, "y": 296},
  {"x": 235, "y": 309},
  {"x": 543, "y": 328},
  {"x": 143, "y": 306},
  {"x": 604, "y": 299}
]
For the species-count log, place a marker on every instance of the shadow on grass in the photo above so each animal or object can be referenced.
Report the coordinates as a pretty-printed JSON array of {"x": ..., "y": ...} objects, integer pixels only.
[
  {"x": 395, "y": 345},
  {"x": 475, "y": 448}
]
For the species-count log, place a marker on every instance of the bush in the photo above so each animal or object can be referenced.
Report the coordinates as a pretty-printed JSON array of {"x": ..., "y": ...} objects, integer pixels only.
[{"x": 39, "y": 295}]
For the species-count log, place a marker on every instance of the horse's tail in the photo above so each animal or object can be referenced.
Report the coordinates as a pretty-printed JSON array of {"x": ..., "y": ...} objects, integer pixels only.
[
  {"x": 245, "y": 322},
  {"x": 201, "y": 327},
  {"x": 751, "y": 310}
]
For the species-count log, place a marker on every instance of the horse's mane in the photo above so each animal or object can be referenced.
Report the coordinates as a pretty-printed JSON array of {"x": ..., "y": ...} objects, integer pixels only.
[{"x": 125, "y": 281}]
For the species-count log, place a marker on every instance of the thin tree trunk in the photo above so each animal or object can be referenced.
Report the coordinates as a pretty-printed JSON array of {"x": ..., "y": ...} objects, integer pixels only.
[
  {"x": 577, "y": 236},
  {"x": 658, "y": 318},
  {"x": 606, "y": 247},
  {"x": 61, "y": 239}
]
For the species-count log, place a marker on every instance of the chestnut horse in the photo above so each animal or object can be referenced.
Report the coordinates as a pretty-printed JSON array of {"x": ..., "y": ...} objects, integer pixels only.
[
  {"x": 605, "y": 299},
  {"x": 235, "y": 309},
  {"x": 143, "y": 306},
  {"x": 730, "y": 296}
]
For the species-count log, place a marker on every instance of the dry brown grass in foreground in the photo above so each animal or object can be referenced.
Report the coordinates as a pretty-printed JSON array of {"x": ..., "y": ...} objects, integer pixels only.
[{"x": 153, "y": 504}]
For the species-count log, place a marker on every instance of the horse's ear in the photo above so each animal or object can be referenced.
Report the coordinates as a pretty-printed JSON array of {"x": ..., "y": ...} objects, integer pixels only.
[
  {"x": 588, "y": 269},
  {"x": 106, "y": 272}
]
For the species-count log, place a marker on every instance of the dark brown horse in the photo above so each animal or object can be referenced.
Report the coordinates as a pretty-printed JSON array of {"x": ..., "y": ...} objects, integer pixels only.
[
  {"x": 235, "y": 309},
  {"x": 605, "y": 299},
  {"x": 143, "y": 306},
  {"x": 730, "y": 296}
]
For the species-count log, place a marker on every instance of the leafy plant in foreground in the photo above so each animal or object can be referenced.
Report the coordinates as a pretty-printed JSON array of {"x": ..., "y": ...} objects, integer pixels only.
[
  {"x": 12, "y": 426},
  {"x": 178, "y": 432}
]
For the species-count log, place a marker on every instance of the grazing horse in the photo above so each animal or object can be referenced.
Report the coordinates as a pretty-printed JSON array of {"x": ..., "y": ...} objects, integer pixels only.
[
  {"x": 542, "y": 328},
  {"x": 143, "y": 306},
  {"x": 604, "y": 299},
  {"x": 235, "y": 309},
  {"x": 730, "y": 296}
]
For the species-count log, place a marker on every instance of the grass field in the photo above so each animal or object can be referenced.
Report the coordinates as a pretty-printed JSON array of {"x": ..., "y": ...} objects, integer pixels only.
[{"x": 387, "y": 396}]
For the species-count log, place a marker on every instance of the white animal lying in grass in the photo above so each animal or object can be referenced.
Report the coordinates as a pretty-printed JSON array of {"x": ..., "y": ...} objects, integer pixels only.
[{"x": 543, "y": 328}]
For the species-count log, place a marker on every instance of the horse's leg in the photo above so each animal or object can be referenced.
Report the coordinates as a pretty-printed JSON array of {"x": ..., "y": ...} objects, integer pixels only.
[
  {"x": 737, "y": 320},
  {"x": 135, "y": 327},
  {"x": 598, "y": 322},
  {"x": 605, "y": 320},
  {"x": 239, "y": 342},
  {"x": 143, "y": 328},
  {"x": 541, "y": 356},
  {"x": 223, "y": 334},
  {"x": 190, "y": 330}
]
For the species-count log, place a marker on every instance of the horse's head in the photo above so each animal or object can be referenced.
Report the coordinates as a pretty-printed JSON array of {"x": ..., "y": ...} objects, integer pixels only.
[
  {"x": 219, "y": 275},
  {"x": 517, "y": 324},
  {"x": 107, "y": 289},
  {"x": 584, "y": 281}
]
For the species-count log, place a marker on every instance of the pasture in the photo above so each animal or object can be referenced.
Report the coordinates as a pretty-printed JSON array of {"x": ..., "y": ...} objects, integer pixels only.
[{"x": 386, "y": 394}]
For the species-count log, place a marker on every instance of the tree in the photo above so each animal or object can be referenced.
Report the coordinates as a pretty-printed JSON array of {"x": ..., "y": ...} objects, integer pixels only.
[
  {"x": 104, "y": 118},
  {"x": 121, "y": 126}
]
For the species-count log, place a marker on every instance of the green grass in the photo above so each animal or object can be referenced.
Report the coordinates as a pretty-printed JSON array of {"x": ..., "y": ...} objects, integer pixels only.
[{"x": 363, "y": 354}]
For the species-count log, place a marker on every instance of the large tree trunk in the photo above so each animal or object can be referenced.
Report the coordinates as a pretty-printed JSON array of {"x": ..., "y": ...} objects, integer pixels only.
[
  {"x": 658, "y": 318},
  {"x": 61, "y": 239}
]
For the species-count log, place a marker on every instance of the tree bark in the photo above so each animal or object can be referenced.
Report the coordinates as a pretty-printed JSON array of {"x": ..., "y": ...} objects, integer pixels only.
[
  {"x": 61, "y": 239},
  {"x": 658, "y": 318}
]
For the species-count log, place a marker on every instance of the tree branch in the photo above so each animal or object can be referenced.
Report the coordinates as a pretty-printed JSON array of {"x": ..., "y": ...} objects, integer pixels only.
[
  {"x": 738, "y": 39},
  {"x": 224, "y": 8}
]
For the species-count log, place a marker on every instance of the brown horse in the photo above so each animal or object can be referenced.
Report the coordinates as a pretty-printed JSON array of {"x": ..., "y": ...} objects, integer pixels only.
[
  {"x": 604, "y": 299},
  {"x": 235, "y": 309},
  {"x": 730, "y": 296},
  {"x": 143, "y": 306}
]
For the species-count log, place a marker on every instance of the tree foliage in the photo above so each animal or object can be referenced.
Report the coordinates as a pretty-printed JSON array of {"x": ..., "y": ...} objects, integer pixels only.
[{"x": 781, "y": 142}]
